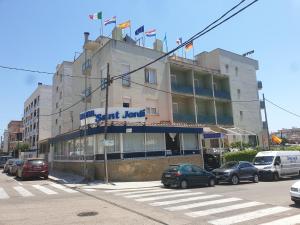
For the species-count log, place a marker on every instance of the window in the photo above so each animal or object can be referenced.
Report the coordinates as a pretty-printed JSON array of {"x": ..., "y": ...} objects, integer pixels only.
[
  {"x": 150, "y": 76},
  {"x": 60, "y": 95},
  {"x": 227, "y": 68},
  {"x": 126, "y": 101},
  {"x": 175, "y": 107},
  {"x": 56, "y": 105},
  {"x": 57, "y": 89},
  {"x": 239, "y": 93},
  {"x": 126, "y": 78},
  {"x": 125, "y": 104},
  {"x": 236, "y": 71},
  {"x": 173, "y": 79},
  {"x": 56, "y": 121},
  {"x": 241, "y": 115},
  {"x": 103, "y": 75},
  {"x": 151, "y": 111}
]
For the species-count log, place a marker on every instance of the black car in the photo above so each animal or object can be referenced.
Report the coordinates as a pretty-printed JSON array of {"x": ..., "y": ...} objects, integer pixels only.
[
  {"x": 236, "y": 171},
  {"x": 186, "y": 175},
  {"x": 3, "y": 160}
]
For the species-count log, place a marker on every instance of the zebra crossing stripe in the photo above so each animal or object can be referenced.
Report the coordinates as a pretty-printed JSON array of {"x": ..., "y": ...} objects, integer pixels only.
[
  {"x": 44, "y": 189},
  {"x": 199, "y": 204},
  {"x": 140, "y": 192},
  {"x": 292, "y": 220},
  {"x": 155, "y": 193},
  {"x": 165, "y": 197},
  {"x": 23, "y": 192},
  {"x": 223, "y": 209},
  {"x": 63, "y": 188},
  {"x": 249, "y": 216},
  {"x": 88, "y": 189},
  {"x": 3, "y": 194},
  {"x": 131, "y": 189},
  {"x": 170, "y": 202}
]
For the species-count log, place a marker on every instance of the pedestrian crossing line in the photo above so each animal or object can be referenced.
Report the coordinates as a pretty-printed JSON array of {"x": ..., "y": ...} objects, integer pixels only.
[
  {"x": 3, "y": 194},
  {"x": 248, "y": 216},
  {"x": 23, "y": 192},
  {"x": 200, "y": 204},
  {"x": 292, "y": 220},
  {"x": 131, "y": 189},
  {"x": 166, "y": 197},
  {"x": 139, "y": 192},
  {"x": 170, "y": 202},
  {"x": 223, "y": 209},
  {"x": 63, "y": 188},
  {"x": 88, "y": 189},
  {"x": 156, "y": 193},
  {"x": 44, "y": 189}
]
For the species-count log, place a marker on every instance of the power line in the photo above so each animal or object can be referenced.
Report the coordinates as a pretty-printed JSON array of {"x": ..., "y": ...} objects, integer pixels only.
[{"x": 282, "y": 108}]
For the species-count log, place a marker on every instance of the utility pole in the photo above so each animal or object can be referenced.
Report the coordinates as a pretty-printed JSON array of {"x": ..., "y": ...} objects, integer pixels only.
[
  {"x": 105, "y": 126},
  {"x": 85, "y": 109},
  {"x": 266, "y": 118}
]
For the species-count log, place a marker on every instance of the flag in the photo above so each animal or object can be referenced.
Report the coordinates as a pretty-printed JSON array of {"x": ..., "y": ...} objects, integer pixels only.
[
  {"x": 276, "y": 139},
  {"x": 139, "y": 30},
  {"x": 124, "y": 25},
  {"x": 110, "y": 20},
  {"x": 151, "y": 33},
  {"x": 165, "y": 41},
  {"x": 96, "y": 16},
  {"x": 179, "y": 41},
  {"x": 189, "y": 46}
]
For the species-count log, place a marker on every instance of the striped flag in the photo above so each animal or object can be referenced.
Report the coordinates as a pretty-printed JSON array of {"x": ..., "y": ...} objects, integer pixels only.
[
  {"x": 150, "y": 33},
  {"x": 124, "y": 25},
  {"x": 110, "y": 20},
  {"x": 96, "y": 16},
  {"x": 189, "y": 46}
]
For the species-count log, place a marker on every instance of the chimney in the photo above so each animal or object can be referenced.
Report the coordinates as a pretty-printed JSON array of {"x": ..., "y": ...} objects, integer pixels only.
[
  {"x": 40, "y": 83},
  {"x": 158, "y": 45},
  {"x": 117, "y": 34},
  {"x": 86, "y": 37}
]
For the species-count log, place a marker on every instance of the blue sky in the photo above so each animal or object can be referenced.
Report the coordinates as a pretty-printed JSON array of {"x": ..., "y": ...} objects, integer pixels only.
[{"x": 40, "y": 34}]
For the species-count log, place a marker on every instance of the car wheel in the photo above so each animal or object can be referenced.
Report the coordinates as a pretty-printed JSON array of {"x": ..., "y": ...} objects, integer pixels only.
[
  {"x": 46, "y": 177},
  {"x": 183, "y": 184},
  {"x": 211, "y": 182},
  {"x": 255, "y": 178},
  {"x": 235, "y": 180},
  {"x": 275, "y": 177}
]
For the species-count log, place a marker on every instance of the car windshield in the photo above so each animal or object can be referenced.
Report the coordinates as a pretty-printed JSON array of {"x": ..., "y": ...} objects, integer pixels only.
[
  {"x": 230, "y": 165},
  {"x": 263, "y": 160},
  {"x": 172, "y": 168}
]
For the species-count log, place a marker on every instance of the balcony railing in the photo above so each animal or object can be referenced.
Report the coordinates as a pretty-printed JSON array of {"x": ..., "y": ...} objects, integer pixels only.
[
  {"x": 206, "y": 119},
  {"x": 188, "y": 118},
  {"x": 182, "y": 89},
  {"x": 222, "y": 94},
  {"x": 203, "y": 91},
  {"x": 225, "y": 120}
]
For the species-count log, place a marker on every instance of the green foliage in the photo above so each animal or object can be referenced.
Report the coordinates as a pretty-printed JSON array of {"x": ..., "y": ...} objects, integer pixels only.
[
  {"x": 285, "y": 148},
  {"x": 240, "y": 145},
  {"x": 245, "y": 155},
  {"x": 23, "y": 147}
]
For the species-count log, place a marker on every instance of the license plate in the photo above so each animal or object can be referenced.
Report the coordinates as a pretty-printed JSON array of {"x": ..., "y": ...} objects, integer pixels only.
[{"x": 167, "y": 175}]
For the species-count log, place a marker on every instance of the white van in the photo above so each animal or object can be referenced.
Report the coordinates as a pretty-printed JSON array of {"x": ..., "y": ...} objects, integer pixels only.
[{"x": 277, "y": 164}]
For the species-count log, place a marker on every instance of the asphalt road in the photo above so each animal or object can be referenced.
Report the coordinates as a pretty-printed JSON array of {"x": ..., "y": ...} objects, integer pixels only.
[{"x": 45, "y": 202}]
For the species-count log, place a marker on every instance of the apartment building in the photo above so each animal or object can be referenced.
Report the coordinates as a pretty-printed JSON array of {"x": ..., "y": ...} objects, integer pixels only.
[
  {"x": 37, "y": 119},
  {"x": 5, "y": 141},
  {"x": 165, "y": 105}
]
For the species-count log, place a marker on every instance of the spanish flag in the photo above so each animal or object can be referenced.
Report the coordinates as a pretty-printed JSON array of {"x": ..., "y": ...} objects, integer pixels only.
[
  {"x": 276, "y": 139},
  {"x": 189, "y": 46},
  {"x": 124, "y": 25}
]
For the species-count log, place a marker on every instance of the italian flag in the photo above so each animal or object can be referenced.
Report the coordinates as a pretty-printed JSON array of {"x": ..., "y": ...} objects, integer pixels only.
[{"x": 96, "y": 16}]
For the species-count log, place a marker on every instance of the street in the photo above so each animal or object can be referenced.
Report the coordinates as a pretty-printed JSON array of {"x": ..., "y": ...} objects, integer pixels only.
[{"x": 46, "y": 202}]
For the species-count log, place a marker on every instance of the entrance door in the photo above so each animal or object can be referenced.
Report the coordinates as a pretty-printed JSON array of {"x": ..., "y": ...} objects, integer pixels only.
[{"x": 173, "y": 144}]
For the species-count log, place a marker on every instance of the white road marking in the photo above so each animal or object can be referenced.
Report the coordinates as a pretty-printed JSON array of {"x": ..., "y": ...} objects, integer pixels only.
[
  {"x": 292, "y": 220},
  {"x": 155, "y": 193},
  {"x": 44, "y": 189},
  {"x": 165, "y": 197},
  {"x": 131, "y": 189},
  {"x": 63, "y": 188},
  {"x": 3, "y": 194},
  {"x": 184, "y": 199},
  {"x": 249, "y": 216},
  {"x": 199, "y": 204},
  {"x": 140, "y": 192},
  {"x": 88, "y": 189},
  {"x": 223, "y": 209},
  {"x": 23, "y": 192}
]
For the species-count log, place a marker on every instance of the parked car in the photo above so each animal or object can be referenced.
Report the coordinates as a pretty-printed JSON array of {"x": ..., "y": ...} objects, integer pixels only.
[
  {"x": 14, "y": 167},
  {"x": 7, "y": 165},
  {"x": 236, "y": 171},
  {"x": 295, "y": 192},
  {"x": 276, "y": 164},
  {"x": 3, "y": 160},
  {"x": 186, "y": 175},
  {"x": 33, "y": 168}
]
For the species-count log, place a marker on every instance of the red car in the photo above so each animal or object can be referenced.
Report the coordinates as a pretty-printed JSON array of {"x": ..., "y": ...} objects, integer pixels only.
[{"x": 33, "y": 168}]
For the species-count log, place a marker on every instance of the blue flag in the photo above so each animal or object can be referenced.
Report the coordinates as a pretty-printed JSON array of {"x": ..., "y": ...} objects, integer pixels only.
[{"x": 139, "y": 30}]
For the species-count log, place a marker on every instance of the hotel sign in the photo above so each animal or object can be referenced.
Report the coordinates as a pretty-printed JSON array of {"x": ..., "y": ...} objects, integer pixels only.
[{"x": 114, "y": 114}]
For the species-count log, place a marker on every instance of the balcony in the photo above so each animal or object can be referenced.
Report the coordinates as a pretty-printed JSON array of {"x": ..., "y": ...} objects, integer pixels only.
[
  {"x": 222, "y": 94},
  {"x": 259, "y": 85},
  {"x": 182, "y": 89},
  {"x": 203, "y": 92},
  {"x": 206, "y": 119},
  {"x": 186, "y": 118},
  {"x": 225, "y": 120}
]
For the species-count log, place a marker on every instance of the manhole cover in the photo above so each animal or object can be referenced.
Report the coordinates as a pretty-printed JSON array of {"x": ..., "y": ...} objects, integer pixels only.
[{"x": 91, "y": 213}]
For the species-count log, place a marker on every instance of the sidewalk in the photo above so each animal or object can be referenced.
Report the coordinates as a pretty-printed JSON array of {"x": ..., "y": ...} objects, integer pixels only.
[{"x": 74, "y": 180}]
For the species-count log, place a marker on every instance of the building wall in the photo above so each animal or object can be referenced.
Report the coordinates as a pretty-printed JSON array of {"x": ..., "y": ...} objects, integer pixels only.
[
  {"x": 14, "y": 128},
  {"x": 5, "y": 140}
]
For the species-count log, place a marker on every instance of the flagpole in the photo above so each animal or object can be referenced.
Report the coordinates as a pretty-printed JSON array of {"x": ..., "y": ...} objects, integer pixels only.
[
  {"x": 143, "y": 39},
  {"x": 101, "y": 31}
]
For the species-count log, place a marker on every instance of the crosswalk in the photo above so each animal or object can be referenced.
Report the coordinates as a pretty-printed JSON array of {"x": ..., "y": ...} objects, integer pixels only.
[
  {"x": 34, "y": 190},
  {"x": 215, "y": 209}
]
